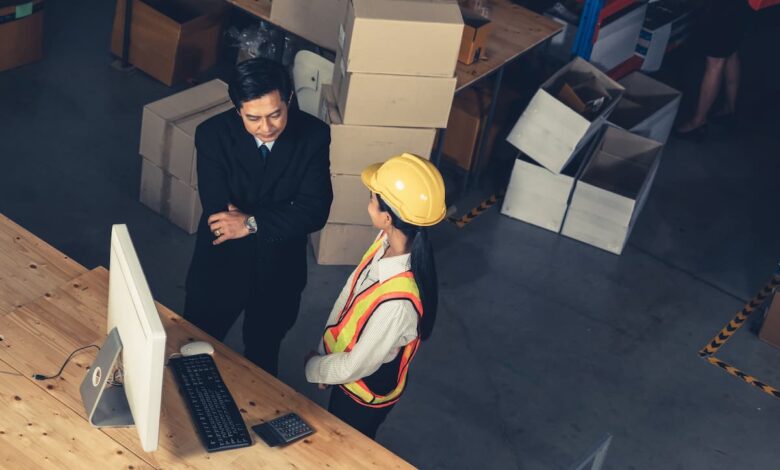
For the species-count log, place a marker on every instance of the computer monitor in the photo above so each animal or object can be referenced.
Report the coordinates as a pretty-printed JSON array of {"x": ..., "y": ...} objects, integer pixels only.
[{"x": 134, "y": 329}]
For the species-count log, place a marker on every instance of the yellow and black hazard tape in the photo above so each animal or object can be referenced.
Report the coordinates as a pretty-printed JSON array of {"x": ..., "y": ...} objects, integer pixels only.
[
  {"x": 768, "y": 389},
  {"x": 728, "y": 331},
  {"x": 477, "y": 211},
  {"x": 736, "y": 323}
]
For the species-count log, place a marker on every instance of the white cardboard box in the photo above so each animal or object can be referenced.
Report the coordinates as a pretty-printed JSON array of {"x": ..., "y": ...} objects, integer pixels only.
[
  {"x": 648, "y": 107},
  {"x": 168, "y": 128},
  {"x": 368, "y": 99},
  {"x": 540, "y": 197},
  {"x": 609, "y": 196},
  {"x": 317, "y": 21},
  {"x": 350, "y": 201},
  {"x": 342, "y": 244},
  {"x": 352, "y": 148},
  {"x": 170, "y": 197},
  {"x": 402, "y": 37},
  {"x": 550, "y": 131}
]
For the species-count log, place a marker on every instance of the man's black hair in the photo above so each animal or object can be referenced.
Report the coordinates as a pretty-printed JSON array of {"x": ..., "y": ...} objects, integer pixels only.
[{"x": 257, "y": 77}]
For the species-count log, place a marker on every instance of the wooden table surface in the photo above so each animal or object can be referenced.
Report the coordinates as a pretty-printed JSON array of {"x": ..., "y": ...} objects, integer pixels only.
[
  {"x": 45, "y": 425},
  {"x": 29, "y": 266},
  {"x": 516, "y": 30}
]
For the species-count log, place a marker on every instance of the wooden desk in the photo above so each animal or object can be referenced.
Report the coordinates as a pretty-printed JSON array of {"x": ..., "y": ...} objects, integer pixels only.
[
  {"x": 29, "y": 266},
  {"x": 45, "y": 424},
  {"x": 516, "y": 30}
]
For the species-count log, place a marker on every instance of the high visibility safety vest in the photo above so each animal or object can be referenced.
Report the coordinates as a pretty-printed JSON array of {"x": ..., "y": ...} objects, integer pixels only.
[{"x": 358, "y": 309}]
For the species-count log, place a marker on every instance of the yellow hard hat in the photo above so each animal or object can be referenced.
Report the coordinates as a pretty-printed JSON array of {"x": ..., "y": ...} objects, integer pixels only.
[{"x": 411, "y": 185}]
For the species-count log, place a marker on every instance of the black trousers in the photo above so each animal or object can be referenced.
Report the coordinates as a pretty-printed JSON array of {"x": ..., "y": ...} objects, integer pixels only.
[
  {"x": 363, "y": 418},
  {"x": 266, "y": 286}
]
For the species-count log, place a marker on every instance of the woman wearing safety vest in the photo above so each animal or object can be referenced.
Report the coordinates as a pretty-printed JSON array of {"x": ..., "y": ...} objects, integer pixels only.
[{"x": 389, "y": 302}]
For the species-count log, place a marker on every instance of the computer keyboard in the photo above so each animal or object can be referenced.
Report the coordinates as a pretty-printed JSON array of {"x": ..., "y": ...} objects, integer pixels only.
[
  {"x": 216, "y": 416},
  {"x": 283, "y": 430}
]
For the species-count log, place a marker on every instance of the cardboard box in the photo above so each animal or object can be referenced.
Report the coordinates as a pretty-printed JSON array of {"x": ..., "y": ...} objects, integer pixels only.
[
  {"x": 770, "y": 330},
  {"x": 352, "y": 148},
  {"x": 464, "y": 127},
  {"x": 170, "y": 197},
  {"x": 476, "y": 32},
  {"x": 550, "y": 130},
  {"x": 366, "y": 99},
  {"x": 21, "y": 33},
  {"x": 609, "y": 196},
  {"x": 317, "y": 21},
  {"x": 168, "y": 128},
  {"x": 540, "y": 197},
  {"x": 342, "y": 244},
  {"x": 350, "y": 201},
  {"x": 171, "y": 40},
  {"x": 648, "y": 107},
  {"x": 402, "y": 37}
]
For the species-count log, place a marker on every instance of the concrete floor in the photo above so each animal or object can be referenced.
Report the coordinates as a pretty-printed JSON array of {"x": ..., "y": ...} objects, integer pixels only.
[{"x": 543, "y": 344}]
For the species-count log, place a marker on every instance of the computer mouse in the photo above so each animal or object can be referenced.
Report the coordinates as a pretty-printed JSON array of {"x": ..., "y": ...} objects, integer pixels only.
[{"x": 197, "y": 347}]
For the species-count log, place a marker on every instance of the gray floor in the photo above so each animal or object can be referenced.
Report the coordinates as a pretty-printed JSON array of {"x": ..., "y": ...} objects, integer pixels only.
[{"x": 543, "y": 344}]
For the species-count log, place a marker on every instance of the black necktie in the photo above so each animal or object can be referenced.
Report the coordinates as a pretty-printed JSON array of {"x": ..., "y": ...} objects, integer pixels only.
[{"x": 265, "y": 151}]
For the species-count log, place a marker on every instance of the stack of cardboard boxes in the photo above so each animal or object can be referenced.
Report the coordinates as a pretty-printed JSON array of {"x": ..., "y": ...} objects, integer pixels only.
[
  {"x": 169, "y": 183},
  {"x": 393, "y": 85},
  {"x": 579, "y": 174}
]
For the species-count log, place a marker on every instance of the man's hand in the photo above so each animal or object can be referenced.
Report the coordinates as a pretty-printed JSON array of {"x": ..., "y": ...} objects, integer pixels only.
[{"x": 229, "y": 225}]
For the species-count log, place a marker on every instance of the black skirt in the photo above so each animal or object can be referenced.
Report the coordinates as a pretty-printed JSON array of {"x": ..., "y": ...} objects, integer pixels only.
[{"x": 722, "y": 27}]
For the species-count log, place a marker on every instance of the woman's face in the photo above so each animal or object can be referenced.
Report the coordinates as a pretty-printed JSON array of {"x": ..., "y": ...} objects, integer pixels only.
[{"x": 379, "y": 218}]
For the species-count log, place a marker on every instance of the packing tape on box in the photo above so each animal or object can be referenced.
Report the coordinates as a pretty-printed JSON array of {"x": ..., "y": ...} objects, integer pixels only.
[
  {"x": 732, "y": 327},
  {"x": 477, "y": 211},
  {"x": 20, "y": 12}
]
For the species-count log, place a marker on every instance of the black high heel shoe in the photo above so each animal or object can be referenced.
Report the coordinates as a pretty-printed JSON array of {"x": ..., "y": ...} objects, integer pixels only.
[{"x": 697, "y": 134}]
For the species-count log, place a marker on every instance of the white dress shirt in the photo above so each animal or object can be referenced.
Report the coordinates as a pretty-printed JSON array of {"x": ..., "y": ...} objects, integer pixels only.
[
  {"x": 260, "y": 143},
  {"x": 392, "y": 326}
]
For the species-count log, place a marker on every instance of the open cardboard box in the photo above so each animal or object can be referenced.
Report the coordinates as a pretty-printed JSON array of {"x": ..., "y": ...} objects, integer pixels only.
[
  {"x": 612, "y": 190},
  {"x": 550, "y": 130},
  {"x": 540, "y": 197},
  {"x": 648, "y": 107}
]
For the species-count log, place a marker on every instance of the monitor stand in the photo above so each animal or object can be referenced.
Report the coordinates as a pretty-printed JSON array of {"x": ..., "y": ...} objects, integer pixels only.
[{"x": 106, "y": 406}]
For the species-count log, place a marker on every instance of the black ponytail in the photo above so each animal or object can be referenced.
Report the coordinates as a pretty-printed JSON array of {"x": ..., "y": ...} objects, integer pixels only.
[{"x": 423, "y": 268}]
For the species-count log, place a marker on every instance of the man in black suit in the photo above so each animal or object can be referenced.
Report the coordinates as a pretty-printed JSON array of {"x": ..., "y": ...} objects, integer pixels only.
[{"x": 264, "y": 183}]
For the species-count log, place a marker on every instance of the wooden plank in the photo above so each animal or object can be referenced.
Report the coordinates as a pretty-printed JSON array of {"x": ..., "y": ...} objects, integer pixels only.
[
  {"x": 38, "y": 336},
  {"x": 259, "y": 8},
  {"x": 37, "y": 432},
  {"x": 29, "y": 266},
  {"x": 516, "y": 30}
]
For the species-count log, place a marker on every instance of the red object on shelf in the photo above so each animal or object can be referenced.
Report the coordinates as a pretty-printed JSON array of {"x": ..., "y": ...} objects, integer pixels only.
[
  {"x": 760, "y": 4},
  {"x": 631, "y": 65},
  {"x": 612, "y": 7}
]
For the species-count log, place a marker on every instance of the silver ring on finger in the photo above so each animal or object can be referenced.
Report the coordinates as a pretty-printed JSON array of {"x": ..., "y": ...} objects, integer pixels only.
[{"x": 217, "y": 233}]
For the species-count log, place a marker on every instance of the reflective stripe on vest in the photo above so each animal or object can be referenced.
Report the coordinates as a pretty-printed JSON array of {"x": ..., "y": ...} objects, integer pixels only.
[{"x": 358, "y": 309}]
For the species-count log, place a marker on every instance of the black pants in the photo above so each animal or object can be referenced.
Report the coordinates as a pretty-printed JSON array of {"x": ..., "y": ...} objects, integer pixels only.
[
  {"x": 363, "y": 418},
  {"x": 265, "y": 286}
]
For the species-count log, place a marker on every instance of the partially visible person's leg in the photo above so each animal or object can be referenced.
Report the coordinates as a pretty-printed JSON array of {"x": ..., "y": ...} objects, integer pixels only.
[
  {"x": 710, "y": 86},
  {"x": 731, "y": 74}
]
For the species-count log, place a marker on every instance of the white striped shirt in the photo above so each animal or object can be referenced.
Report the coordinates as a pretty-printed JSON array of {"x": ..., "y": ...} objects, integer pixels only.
[{"x": 392, "y": 326}]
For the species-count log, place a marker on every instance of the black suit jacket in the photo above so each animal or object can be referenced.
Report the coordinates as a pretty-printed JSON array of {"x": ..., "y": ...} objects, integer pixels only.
[{"x": 289, "y": 194}]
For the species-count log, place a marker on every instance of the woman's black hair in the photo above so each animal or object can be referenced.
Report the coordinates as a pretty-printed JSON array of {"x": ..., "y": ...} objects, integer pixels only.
[
  {"x": 423, "y": 268},
  {"x": 257, "y": 77}
]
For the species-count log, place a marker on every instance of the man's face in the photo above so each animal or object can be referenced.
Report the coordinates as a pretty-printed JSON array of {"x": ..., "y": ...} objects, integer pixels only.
[{"x": 265, "y": 117}]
